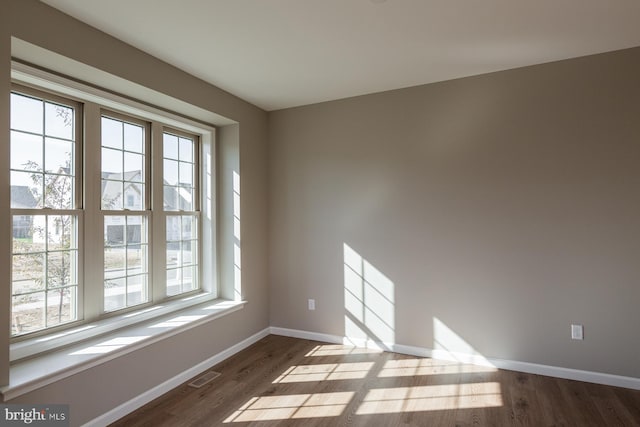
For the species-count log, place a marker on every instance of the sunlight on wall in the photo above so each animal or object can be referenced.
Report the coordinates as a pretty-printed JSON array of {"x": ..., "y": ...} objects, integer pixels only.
[
  {"x": 237, "y": 266},
  {"x": 208, "y": 167},
  {"x": 369, "y": 302},
  {"x": 292, "y": 406},
  {"x": 450, "y": 346},
  {"x": 431, "y": 398},
  {"x": 325, "y": 372},
  {"x": 414, "y": 367}
]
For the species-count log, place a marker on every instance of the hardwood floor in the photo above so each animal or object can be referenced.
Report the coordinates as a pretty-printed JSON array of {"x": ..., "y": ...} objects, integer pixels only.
[{"x": 282, "y": 381}]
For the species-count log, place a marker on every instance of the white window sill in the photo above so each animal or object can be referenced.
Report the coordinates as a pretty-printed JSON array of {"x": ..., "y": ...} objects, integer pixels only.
[
  {"x": 30, "y": 374},
  {"x": 34, "y": 346}
]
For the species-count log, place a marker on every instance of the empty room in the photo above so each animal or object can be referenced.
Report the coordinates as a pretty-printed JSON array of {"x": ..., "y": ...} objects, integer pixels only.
[{"x": 330, "y": 212}]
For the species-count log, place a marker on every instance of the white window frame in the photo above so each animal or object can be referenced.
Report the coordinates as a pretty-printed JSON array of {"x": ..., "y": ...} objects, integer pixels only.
[
  {"x": 195, "y": 212},
  {"x": 75, "y": 210},
  {"x": 95, "y": 321}
]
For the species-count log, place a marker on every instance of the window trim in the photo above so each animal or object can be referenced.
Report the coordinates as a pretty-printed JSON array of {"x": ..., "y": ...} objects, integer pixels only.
[{"x": 100, "y": 100}]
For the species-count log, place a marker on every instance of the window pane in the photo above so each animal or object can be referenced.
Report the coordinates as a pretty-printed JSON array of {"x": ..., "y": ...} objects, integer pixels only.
[
  {"x": 59, "y": 269},
  {"x": 173, "y": 228},
  {"x": 114, "y": 230},
  {"x": 27, "y": 313},
  {"x": 188, "y": 253},
  {"x": 58, "y": 121},
  {"x": 58, "y": 191},
  {"x": 60, "y": 232},
  {"x": 185, "y": 198},
  {"x": 114, "y": 262},
  {"x": 114, "y": 294},
  {"x": 44, "y": 271},
  {"x": 174, "y": 281},
  {"x": 133, "y": 167},
  {"x": 134, "y": 231},
  {"x": 111, "y": 163},
  {"x": 58, "y": 156},
  {"x": 120, "y": 168},
  {"x": 133, "y": 196},
  {"x": 170, "y": 172},
  {"x": 179, "y": 176},
  {"x": 28, "y": 234},
  {"x": 27, "y": 273},
  {"x": 173, "y": 254},
  {"x": 26, "y": 113},
  {"x": 61, "y": 305},
  {"x": 170, "y": 198},
  {"x": 40, "y": 233},
  {"x": 22, "y": 232},
  {"x": 170, "y": 144},
  {"x": 182, "y": 254},
  {"x": 125, "y": 264},
  {"x": 133, "y": 138},
  {"x": 137, "y": 259},
  {"x": 186, "y": 174},
  {"x": 32, "y": 153},
  {"x": 187, "y": 227},
  {"x": 112, "y": 195},
  {"x": 26, "y": 151},
  {"x": 25, "y": 191},
  {"x": 188, "y": 282},
  {"x": 186, "y": 150},
  {"x": 111, "y": 133},
  {"x": 136, "y": 290}
]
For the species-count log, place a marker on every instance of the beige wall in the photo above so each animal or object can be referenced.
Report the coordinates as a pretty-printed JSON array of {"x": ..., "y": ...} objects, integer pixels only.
[
  {"x": 491, "y": 213},
  {"x": 97, "y": 390}
]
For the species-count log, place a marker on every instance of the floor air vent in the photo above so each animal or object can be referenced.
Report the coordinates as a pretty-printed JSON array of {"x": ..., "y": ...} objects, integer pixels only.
[{"x": 204, "y": 379}]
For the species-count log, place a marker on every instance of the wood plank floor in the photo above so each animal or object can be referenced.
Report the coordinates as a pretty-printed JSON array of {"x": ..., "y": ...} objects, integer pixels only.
[{"x": 282, "y": 381}]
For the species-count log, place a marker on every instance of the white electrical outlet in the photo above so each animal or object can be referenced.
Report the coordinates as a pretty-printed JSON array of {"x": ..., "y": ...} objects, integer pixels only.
[
  {"x": 312, "y": 304},
  {"x": 577, "y": 332}
]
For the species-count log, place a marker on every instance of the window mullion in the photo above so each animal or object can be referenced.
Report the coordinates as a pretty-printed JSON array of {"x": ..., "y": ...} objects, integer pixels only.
[
  {"x": 158, "y": 229},
  {"x": 93, "y": 221}
]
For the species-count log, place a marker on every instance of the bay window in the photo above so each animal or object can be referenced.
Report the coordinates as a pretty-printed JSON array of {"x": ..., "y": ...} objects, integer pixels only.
[{"x": 141, "y": 245}]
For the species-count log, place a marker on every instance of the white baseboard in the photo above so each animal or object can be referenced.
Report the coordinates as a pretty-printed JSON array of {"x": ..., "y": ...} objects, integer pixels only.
[
  {"x": 512, "y": 365},
  {"x": 146, "y": 397}
]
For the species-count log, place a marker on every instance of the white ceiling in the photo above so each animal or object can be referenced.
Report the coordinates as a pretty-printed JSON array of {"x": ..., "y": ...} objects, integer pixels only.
[{"x": 284, "y": 53}]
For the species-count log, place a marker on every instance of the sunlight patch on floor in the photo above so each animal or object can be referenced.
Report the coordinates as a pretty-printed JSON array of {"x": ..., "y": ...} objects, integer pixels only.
[
  {"x": 292, "y": 406},
  {"x": 413, "y": 367},
  {"x": 339, "y": 350},
  {"x": 324, "y": 372},
  {"x": 431, "y": 398}
]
